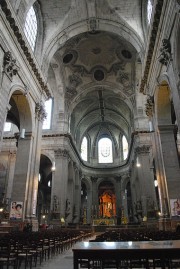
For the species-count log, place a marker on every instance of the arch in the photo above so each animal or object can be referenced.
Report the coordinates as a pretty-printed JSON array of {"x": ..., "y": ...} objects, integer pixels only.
[
  {"x": 78, "y": 28},
  {"x": 107, "y": 199},
  {"x": 44, "y": 190},
  {"x": 21, "y": 109}
]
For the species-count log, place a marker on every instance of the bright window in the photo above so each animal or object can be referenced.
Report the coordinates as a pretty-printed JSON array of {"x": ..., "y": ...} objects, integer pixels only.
[
  {"x": 105, "y": 150},
  {"x": 48, "y": 109},
  {"x": 149, "y": 10},
  {"x": 30, "y": 28},
  {"x": 84, "y": 149},
  {"x": 7, "y": 126},
  {"x": 125, "y": 147}
]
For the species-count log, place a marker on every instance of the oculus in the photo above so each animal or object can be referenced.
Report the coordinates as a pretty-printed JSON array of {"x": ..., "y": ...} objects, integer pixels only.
[{"x": 98, "y": 75}]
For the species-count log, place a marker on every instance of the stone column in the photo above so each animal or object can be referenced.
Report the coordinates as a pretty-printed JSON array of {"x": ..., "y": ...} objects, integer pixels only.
[
  {"x": 146, "y": 186},
  {"x": 170, "y": 159},
  {"x": 11, "y": 167},
  {"x": 59, "y": 186},
  {"x": 40, "y": 115},
  {"x": 77, "y": 197},
  {"x": 22, "y": 171},
  {"x": 118, "y": 199},
  {"x": 95, "y": 202}
]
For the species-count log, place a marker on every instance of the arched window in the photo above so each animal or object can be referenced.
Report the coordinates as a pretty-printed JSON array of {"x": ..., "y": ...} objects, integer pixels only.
[
  {"x": 48, "y": 109},
  {"x": 125, "y": 147},
  {"x": 149, "y": 10},
  {"x": 105, "y": 150},
  {"x": 30, "y": 28},
  {"x": 84, "y": 149}
]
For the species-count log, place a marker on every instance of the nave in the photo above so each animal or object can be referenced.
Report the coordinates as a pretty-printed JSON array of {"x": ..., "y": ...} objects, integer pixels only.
[{"x": 61, "y": 261}]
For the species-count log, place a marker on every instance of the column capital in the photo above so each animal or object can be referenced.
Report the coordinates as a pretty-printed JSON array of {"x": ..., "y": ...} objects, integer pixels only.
[
  {"x": 40, "y": 111},
  {"x": 142, "y": 149},
  {"x": 61, "y": 153},
  {"x": 94, "y": 179}
]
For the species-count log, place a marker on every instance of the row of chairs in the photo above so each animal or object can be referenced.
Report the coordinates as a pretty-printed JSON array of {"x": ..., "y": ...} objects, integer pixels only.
[
  {"x": 25, "y": 250},
  {"x": 137, "y": 235},
  {"x": 120, "y": 235}
]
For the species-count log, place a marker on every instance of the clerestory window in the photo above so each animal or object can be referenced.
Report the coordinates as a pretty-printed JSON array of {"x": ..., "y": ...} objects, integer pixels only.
[
  {"x": 48, "y": 109},
  {"x": 105, "y": 150},
  {"x": 84, "y": 149},
  {"x": 30, "y": 28},
  {"x": 125, "y": 147}
]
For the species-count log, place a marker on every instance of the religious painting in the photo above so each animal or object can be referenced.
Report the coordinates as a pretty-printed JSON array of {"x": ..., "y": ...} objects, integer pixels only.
[
  {"x": 16, "y": 210},
  {"x": 175, "y": 207}
]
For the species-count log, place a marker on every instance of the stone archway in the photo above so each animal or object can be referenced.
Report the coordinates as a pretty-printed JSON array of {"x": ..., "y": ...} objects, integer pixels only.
[
  {"x": 20, "y": 117},
  {"x": 44, "y": 190},
  {"x": 107, "y": 200}
]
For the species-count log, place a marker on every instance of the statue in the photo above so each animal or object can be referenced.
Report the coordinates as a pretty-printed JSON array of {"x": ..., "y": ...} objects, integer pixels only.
[
  {"x": 68, "y": 208},
  {"x": 55, "y": 204}
]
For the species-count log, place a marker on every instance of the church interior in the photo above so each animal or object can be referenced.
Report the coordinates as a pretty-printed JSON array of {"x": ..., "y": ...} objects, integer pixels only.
[{"x": 90, "y": 114}]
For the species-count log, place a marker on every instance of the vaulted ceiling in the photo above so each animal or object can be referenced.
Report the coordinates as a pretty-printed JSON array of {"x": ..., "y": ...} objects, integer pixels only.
[{"x": 99, "y": 68}]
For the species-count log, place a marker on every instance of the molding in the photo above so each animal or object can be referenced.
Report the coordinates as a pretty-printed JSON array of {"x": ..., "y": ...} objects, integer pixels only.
[
  {"x": 154, "y": 31},
  {"x": 25, "y": 49}
]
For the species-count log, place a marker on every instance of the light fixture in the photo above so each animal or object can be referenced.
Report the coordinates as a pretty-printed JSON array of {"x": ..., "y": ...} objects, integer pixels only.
[
  {"x": 53, "y": 168},
  {"x": 137, "y": 162},
  {"x": 43, "y": 216},
  {"x": 155, "y": 183},
  {"x": 1, "y": 209},
  {"x": 62, "y": 220}
]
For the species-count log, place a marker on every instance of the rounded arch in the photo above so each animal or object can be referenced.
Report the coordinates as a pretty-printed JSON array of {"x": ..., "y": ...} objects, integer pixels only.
[
  {"x": 81, "y": 27},
  {"x": 20, "y": 112},
  {"x": 44, "y": 189},
  {"x": 107, "y": 199}
]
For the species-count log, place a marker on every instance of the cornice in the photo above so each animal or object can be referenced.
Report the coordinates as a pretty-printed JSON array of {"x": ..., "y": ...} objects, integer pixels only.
[
  {"x": 22, "y": 43},
  {"x": 156, "y": 21}
]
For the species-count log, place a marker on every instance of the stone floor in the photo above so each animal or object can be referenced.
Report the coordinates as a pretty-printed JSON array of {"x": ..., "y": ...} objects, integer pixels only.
[{"x": 61, "y": 261}]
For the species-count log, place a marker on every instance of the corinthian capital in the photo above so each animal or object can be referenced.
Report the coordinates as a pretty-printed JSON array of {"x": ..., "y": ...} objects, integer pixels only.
[
  {"x": 40, "y": 111},
  {"x": 142, "y": 149},
  {"x": 61, "y": 153},
  {"x": 9, "y": 64}
]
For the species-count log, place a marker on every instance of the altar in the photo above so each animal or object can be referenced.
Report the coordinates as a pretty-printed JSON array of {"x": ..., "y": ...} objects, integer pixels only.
[{"x": 103, "y": 221}]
